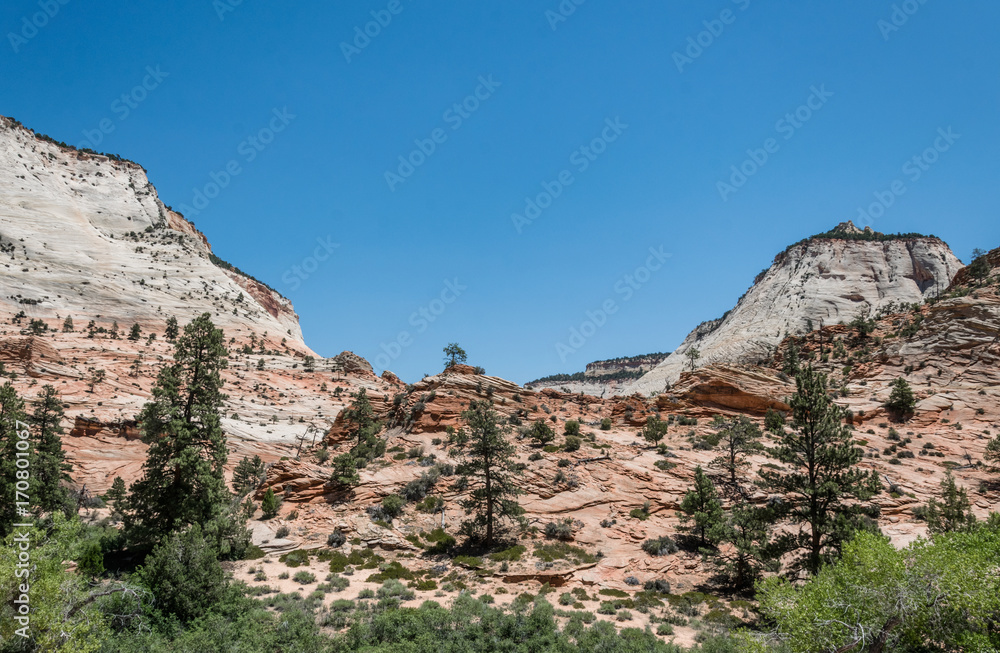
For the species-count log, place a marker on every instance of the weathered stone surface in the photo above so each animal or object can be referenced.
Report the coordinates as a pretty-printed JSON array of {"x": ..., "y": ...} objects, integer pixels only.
[
  {"x": 724, "y": 387},
  {"x": 818, "y": 282}
]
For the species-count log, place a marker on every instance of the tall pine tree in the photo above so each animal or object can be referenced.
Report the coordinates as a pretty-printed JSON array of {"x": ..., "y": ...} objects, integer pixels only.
[
  {"x": 823, "y": 489},
  {"x": 490, "y": 465},
  {"x": 12, "y": 421},
  {"x": 49, "y": 468},
  {"x": 737, "y": 439},
  {"x": 182, "y": 481}
]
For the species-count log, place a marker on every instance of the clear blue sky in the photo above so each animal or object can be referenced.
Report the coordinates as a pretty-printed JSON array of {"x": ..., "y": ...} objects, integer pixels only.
[{"x": 323, "y": 176}]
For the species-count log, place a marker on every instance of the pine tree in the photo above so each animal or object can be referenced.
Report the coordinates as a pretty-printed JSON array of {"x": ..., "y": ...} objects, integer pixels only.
[
  {"x": 172, "y": 329},
  {"x": 48, "y": 467},
  {"x": 13, "y": 421},
  {"x": 992, "y": 452},
  {"x": 702, "y": 509},
  {"x": 953, "y": 512},
  {"x": 135, "y": 332},
  {"x": 362, "y": 415},
  {"x": 248, "y": 475},
  {"x": 117, "y": 494},
  {"x": 774, "y": 421},
  {"x": 489, "y": 464},
  {"x": 96, "y": 378},
  {"x": 68, "y": 325},
  {"x": 823, "y": 490},
  {"x": 901, "y": 402},
  {"x": 693, "y": 355},
  {"x": 748, "y": 530},
  {"x": 453, "y": 355},
  {"x": 367, "y": 447},
  {"x": 270, "y": 504},
  {"x": 541, "y": 433},
  {"x": 114, "y": 331},
  {"x": 655, "y": 430},
  {"x": 791, "y": 362},
  {"x": 980, "y": 266},
  {"x": 182, "y": 480},
  {"x": 737, "y": 439}
]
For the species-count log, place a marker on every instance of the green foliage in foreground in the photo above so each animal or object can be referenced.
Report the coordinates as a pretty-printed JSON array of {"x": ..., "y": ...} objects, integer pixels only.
[{"x": 936, "y": 595}]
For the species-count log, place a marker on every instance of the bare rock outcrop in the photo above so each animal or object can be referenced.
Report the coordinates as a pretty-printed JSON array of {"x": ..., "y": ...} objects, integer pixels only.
[{"x": 821, "y": 281}]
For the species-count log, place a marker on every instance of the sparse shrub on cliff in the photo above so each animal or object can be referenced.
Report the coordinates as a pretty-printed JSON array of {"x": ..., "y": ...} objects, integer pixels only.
[
  {"x": 336, "y": 539},
  {"x": 392, "y": 506},
  {"x": 660, "y": 546},
  {"x": 572, "y": 427},
  {"x": 571, "y": 444},
  {"x": 606, "y": 424},
  {"x": 560, "y": 530},
  {"x": 642, "y": 514}
]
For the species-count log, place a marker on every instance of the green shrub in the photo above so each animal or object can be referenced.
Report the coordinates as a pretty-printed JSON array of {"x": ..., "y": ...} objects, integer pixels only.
[
  {"x": 512, "y": 554},
  {"x": 391, "y": 571},
  {"x": 295, "y": 558},
  {"x": 392, "y": 506},
  {"x": 304, "y": 578},
  {"x": 660, "y": 546},
  {"x": 560, "y": 530}
]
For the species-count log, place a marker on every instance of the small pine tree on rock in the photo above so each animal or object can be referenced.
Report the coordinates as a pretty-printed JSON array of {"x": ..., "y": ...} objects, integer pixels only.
[
  {"x": 172, "y": 329},
  {"x": 270, "y": 504},
  {"x": 953, "y": 512},
  {"x": 702, "y": 509},
  {"x": 248, "y": 475},
  {"x": 901, "y": 402},
  {"x": 541, "y": 433},
  {"x": 655, "y": 430},
  {"x": 454, "y": 355}
]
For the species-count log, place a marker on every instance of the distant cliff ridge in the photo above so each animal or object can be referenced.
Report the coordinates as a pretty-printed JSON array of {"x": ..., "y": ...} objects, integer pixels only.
[
  {"x": 826, "y": 279},
  {"x": 601, "y": 376}
]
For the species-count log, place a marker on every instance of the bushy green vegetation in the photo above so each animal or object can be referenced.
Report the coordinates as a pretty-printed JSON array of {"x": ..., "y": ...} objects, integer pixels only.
[{"x": 870, "y": 236}]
